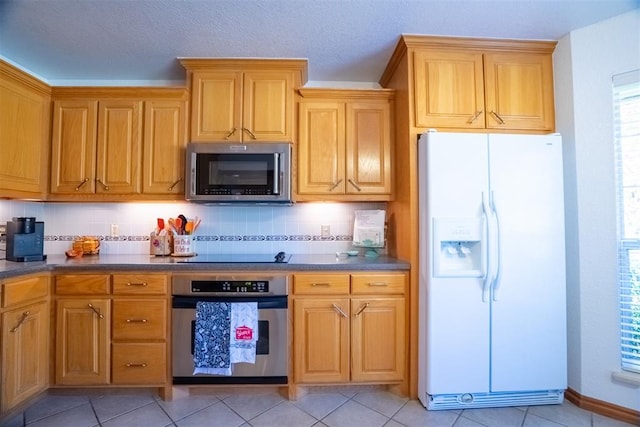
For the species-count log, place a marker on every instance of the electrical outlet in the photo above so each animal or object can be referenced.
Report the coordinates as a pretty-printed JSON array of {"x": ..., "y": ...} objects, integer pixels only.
[
  {"x": 115, "y": 230},
  {"x": 325, "y": 230}
]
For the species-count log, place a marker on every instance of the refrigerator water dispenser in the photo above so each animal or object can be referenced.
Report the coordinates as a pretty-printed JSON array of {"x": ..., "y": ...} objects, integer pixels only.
[{"x": 457, "y": 247}]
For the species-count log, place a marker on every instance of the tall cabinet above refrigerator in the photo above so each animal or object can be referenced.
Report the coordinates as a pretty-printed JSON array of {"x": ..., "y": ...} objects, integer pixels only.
[{"x": 492, "y": 270}]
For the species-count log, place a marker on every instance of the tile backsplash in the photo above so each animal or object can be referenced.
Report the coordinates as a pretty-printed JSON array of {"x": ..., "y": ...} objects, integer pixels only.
[{"x": 224, "y": 229}]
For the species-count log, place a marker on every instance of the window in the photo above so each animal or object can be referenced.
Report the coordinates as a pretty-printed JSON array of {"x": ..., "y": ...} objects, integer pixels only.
[{"x": 626, "y": 103}]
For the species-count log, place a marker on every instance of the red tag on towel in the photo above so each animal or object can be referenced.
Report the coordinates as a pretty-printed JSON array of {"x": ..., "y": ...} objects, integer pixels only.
[{"x": 244, "y": 333}]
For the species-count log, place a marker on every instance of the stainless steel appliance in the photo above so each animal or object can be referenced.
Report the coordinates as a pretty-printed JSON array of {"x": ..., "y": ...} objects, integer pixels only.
[
  {"x": 272, "y": 350},
  {"x": 252, "y": 173},
  {"x": 25, "y": 239}
]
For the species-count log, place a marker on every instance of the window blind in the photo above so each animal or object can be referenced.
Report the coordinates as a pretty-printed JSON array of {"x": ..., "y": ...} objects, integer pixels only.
[{"x": 626, "y": 103}]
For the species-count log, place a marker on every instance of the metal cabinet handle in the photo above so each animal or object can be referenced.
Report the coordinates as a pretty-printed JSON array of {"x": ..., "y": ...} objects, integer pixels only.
[
  {"x": 172, "y": 186},
  {"x": 474, "y": 117},
  {"x": 321, "y": 284},
  {"x": 250, "y": 133},
  {"x": 378, "y": 284},
  {"x": 21, "y": 321},
  {"x": 137, "y": 284},
  {"x": 136, "y": 365},
  {"x": 137, "y": 320},
  {"x": 335, "y": 185},
  {"x": 231, "y": 132},
  {"x": 362, "y": 309},
  {"x": 84, "y": 181},
  {"x": 95, "y": 311},
  {"x": 339, "y": 310},
  {"x": 105, "y": 186},
  {"x": 497, "y": 117},
  {"x": 354, "y": 184}
]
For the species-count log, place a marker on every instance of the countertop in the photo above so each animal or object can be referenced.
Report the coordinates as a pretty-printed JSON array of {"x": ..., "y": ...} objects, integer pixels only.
[{"x": 128, "y": 262}]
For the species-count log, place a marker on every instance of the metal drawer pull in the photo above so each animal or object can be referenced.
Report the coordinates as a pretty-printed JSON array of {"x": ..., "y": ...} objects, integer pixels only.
[
  {"x": 362, "y": 308},
  {"x": 81, "y": 184},
  {"x": 136, "y": 365},
  {"x": 378, "y": 284},
  {"x": 105, "y": 186},
  {"x": 354, "y": 184},
  {"x": 136, "y": 283},
  {"x": 136, "y": 320},
  {"x": 172, "y": 186},
  {"x": 335, "y": 185},
  {"x": 474, "y": 117},
  {"x": 339, "y": 310},
  {"x": 95, "y": 311},
  {"x": 21, "y": 321},
  {"x": 321, "y": 284}
]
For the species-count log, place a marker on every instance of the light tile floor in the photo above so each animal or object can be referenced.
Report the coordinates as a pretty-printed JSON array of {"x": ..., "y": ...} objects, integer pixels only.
[{"x": 348, "y": 407}]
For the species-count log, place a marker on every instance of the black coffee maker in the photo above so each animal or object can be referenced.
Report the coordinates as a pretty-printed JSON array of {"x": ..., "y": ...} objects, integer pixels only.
[{"x": 25, "y": 239}]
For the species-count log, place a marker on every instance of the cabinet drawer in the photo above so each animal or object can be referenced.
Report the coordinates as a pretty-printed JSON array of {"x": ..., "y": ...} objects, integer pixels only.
[
  {"x": 320, "y": 284},
  {"x": 136, "y": 284},
  {"x": 380, "y": 284},
  {"x": 19, "y": 291},
  {"x": 139, "y": 319},
  {"x": 83, "y": 284},
  {"x": 139, "y": 363}
]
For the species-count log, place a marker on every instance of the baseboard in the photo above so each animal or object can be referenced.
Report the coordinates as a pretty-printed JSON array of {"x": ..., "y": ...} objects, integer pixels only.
[{"x": 603, "y": 408}]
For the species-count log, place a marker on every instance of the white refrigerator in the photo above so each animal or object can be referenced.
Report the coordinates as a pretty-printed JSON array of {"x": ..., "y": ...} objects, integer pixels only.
[{"x": 492, "y": 285}]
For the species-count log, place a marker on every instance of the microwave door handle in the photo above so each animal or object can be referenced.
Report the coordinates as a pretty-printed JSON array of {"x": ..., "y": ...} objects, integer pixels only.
[{"x": 276, "y": 173}]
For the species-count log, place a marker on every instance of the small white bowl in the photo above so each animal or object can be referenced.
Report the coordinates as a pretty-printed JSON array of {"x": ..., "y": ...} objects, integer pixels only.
[{"x": 352, "y": 253}]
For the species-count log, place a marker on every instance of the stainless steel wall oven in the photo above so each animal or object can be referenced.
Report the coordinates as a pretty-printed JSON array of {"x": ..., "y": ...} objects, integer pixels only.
[{"x": 272, "y": 349}]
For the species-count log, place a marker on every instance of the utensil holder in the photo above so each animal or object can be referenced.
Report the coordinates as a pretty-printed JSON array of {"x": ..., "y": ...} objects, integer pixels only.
[
  {"x": 183, "y": 245},
  {"x": 161, "y": 244}
]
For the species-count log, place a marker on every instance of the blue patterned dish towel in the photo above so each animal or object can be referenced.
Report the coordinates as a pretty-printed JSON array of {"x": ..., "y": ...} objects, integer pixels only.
[{"x": 225, "y": 333}]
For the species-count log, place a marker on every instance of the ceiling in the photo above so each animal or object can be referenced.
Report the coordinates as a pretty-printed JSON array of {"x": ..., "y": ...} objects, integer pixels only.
[{"x": 88, "y": 42}]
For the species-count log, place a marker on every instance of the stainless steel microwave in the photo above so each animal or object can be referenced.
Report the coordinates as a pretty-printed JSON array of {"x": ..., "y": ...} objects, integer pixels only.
[{"x": 252, "y": 173}]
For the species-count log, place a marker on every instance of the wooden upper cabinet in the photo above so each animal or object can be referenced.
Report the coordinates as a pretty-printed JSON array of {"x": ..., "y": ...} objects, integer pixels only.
[
  {"x": 242, "y": 100},
  {"x": 344, "y": 150},
  {"x": 474, "y": 84},
  {"x": 519, "y": 91},
  {"x": 449, "y": 89},
  {"x": 24, "y": 134},
  {"x": 110, "y": 142},
  {"x": 164, "y": 147}
]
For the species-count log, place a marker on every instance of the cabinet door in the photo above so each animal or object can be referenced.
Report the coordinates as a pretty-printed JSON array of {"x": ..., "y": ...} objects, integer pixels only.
[
  {"x": 119, "y": 149},
  {"x": 448, "y": 89},
  {"x": 25, "y": 353},
  {"x": 267, "y": 112},
  {"x": 24, "y": 128},
  {"x": 321, "y": 337},
  {"x": 377, "y": 339},
  {"x": 321, "y": 148},
  {"x": 368, "y": 149},
  {"x": 519, "y": 91},
  {"x": 73, "y": 147},
  {"x": 82, "y": 341},
  {"x": 164, "y": 147},
  {"x": 216, "y": 106}
]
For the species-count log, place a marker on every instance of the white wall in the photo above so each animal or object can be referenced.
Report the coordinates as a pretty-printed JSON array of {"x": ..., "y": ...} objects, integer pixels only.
[
  {"x": 585, "y": 61},
  {"x": 224, "y": 229}
]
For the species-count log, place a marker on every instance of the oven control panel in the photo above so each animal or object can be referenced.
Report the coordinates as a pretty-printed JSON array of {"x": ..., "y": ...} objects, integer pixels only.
[{"x": 229, "y": 286}]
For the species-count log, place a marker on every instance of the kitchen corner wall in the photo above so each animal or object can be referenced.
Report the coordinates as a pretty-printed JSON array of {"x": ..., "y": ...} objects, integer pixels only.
[{"x": 224, "y": 229}]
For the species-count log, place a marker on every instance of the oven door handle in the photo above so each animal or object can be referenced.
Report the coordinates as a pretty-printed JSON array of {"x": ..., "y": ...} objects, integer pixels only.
[{"x": 263, "y": 302}]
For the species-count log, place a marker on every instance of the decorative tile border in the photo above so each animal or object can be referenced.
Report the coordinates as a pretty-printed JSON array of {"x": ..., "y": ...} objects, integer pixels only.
[{"x": 221, "y": 238}]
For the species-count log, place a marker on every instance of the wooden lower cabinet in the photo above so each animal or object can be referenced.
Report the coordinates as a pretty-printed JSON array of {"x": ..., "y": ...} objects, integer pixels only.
[
  {"x": 82, "y": 341},
  {"x": 25, "y": 320},
  {"x": 25, "y": 352},
  {"x": 139, "y": 363},
  {"x": 349, "y": 338}
]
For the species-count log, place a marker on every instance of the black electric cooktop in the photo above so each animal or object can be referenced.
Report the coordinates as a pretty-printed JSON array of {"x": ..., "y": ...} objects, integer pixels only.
[{"x": 280, "y": 257}]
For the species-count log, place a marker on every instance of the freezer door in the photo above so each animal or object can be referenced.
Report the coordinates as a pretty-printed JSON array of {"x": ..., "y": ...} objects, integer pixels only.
[
  {"x": 454, "y": 176},
  {"x": 528, "y": 316}
]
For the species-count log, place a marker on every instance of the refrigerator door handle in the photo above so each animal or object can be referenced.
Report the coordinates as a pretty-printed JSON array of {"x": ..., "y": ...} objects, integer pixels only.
[
  {"x": 498, "y": 255},
  {"x": 486, "y": 284}
]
